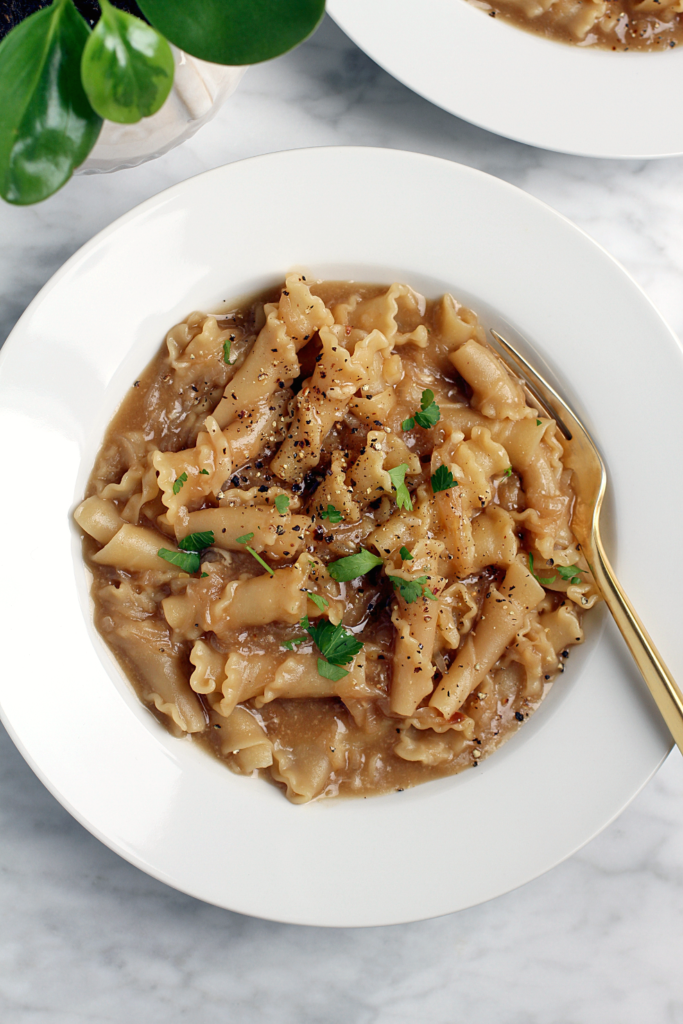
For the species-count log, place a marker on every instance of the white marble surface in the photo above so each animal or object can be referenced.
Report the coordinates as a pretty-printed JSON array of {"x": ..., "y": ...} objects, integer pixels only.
[{"x": 86, "y": 937}]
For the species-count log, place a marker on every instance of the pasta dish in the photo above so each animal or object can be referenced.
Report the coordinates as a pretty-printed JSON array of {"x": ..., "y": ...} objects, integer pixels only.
[
  {"x": 607, "y": 24},
  {"x": 331, "y": 541}
]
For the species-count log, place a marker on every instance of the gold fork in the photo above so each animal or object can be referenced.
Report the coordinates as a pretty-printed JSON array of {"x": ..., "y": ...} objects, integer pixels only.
[{"x": 590, "y": 480}]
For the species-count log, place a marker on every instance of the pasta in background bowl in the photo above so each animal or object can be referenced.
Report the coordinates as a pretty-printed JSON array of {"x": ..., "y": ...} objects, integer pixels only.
[
  {"x": 158, "y": 800},
  {"x": 571, "y": 98},
  {"x": 649, "y": 25}
]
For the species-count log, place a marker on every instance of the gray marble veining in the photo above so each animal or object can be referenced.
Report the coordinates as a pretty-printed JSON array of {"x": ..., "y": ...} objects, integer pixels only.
[{"x": 86, "y": 937}]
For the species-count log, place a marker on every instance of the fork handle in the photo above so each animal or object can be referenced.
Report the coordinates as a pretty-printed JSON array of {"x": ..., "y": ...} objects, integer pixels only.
[{"x": 661, "y": 683}]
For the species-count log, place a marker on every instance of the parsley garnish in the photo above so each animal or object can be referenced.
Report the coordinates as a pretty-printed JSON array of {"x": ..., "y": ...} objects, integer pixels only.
[
  {"x": 226, "y": 351},
  {"x": 244, "y": 539},
  {"x": 508, "y": 471},
  {"x": 398, "y": 475},
  {"x": 282, "y": 503},
  {"x": 443, "y": 480},
  {"x": 329, "y": 671},
  {"x": 544, "y": 581},
  {"x": 197, "y": 541},
  {"x": 405, "y": 554},
  {"x": 411, "y": 590},
  {"x": 568, "y": 572},
  {"x": 188, "y": 561},
  {"x": 337, "y": 646},
  {"x": 332, "y": 513},
  {"x": 320, "y": 602},
  {"x": 290, "y": 644},
  {"x": 353, "y": 566},
  {"x": 425, "y": 417},
  {"x": 177, "y": 484},
  {"x": 538, "y": 423},
  {"x": 189, "y": 557},
  {"x": 260, "y": 560},
  {"x": 204, "y": 472}
]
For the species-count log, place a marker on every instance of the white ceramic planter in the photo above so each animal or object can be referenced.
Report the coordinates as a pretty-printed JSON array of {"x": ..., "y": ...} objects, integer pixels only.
[{"x": 199, "y": 90}]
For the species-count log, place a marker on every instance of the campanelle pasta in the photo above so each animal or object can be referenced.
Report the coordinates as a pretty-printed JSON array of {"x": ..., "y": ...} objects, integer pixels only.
[{"x": 331, "y": 541}]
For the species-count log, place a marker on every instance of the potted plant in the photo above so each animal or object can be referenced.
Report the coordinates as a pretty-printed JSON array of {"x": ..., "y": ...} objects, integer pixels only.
[{"x": 67, "y": 66}]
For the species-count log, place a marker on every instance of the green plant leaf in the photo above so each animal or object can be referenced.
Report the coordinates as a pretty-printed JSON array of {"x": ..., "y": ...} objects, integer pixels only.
[
  {"x": 234, "y": 31},
  {"x": 47, "y": 126},
  {"x": 127, "y": 67}
]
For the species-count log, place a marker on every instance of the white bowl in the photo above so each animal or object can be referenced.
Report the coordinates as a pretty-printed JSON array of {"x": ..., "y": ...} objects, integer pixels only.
[
  {"x": 161, "y": 802},
  {"x": 515, "y": 83}
]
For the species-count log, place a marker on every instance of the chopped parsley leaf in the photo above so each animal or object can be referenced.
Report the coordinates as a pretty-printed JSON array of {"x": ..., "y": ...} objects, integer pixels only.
[
  {"x": 443, "y": 479},
  {"x": 291, "y": 644},
  {"x": 508, "y": 471},
  {"x": 543, "y": 580},
  {"x": 226, "y": 351},
  {"x": 282, "y": 503},
  {"x": 177, "y": 484},
  {"x": 411, "y": 590},
  {"x": 398, "y": 475},
  {"x": 405, "y": 554},
  {"x": 260, "y": 560},
  {"x": 197, "y": 541},
  {"x": 188, "y": 561},
  {"x": 353, "y": 566},
  {"x": 330, "y": 671},
  {"x": 335, "y": 643},
  {"x": 320, "y": 602},
  {"x": 204, "y": 472},
  {"x": 244, "y": 539},
  {"x": 569, "y": 572},
  {"x": 332, "y": 513},
  {"x": 538, "y": 423},
  {"x": 426, "y": 416}
]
